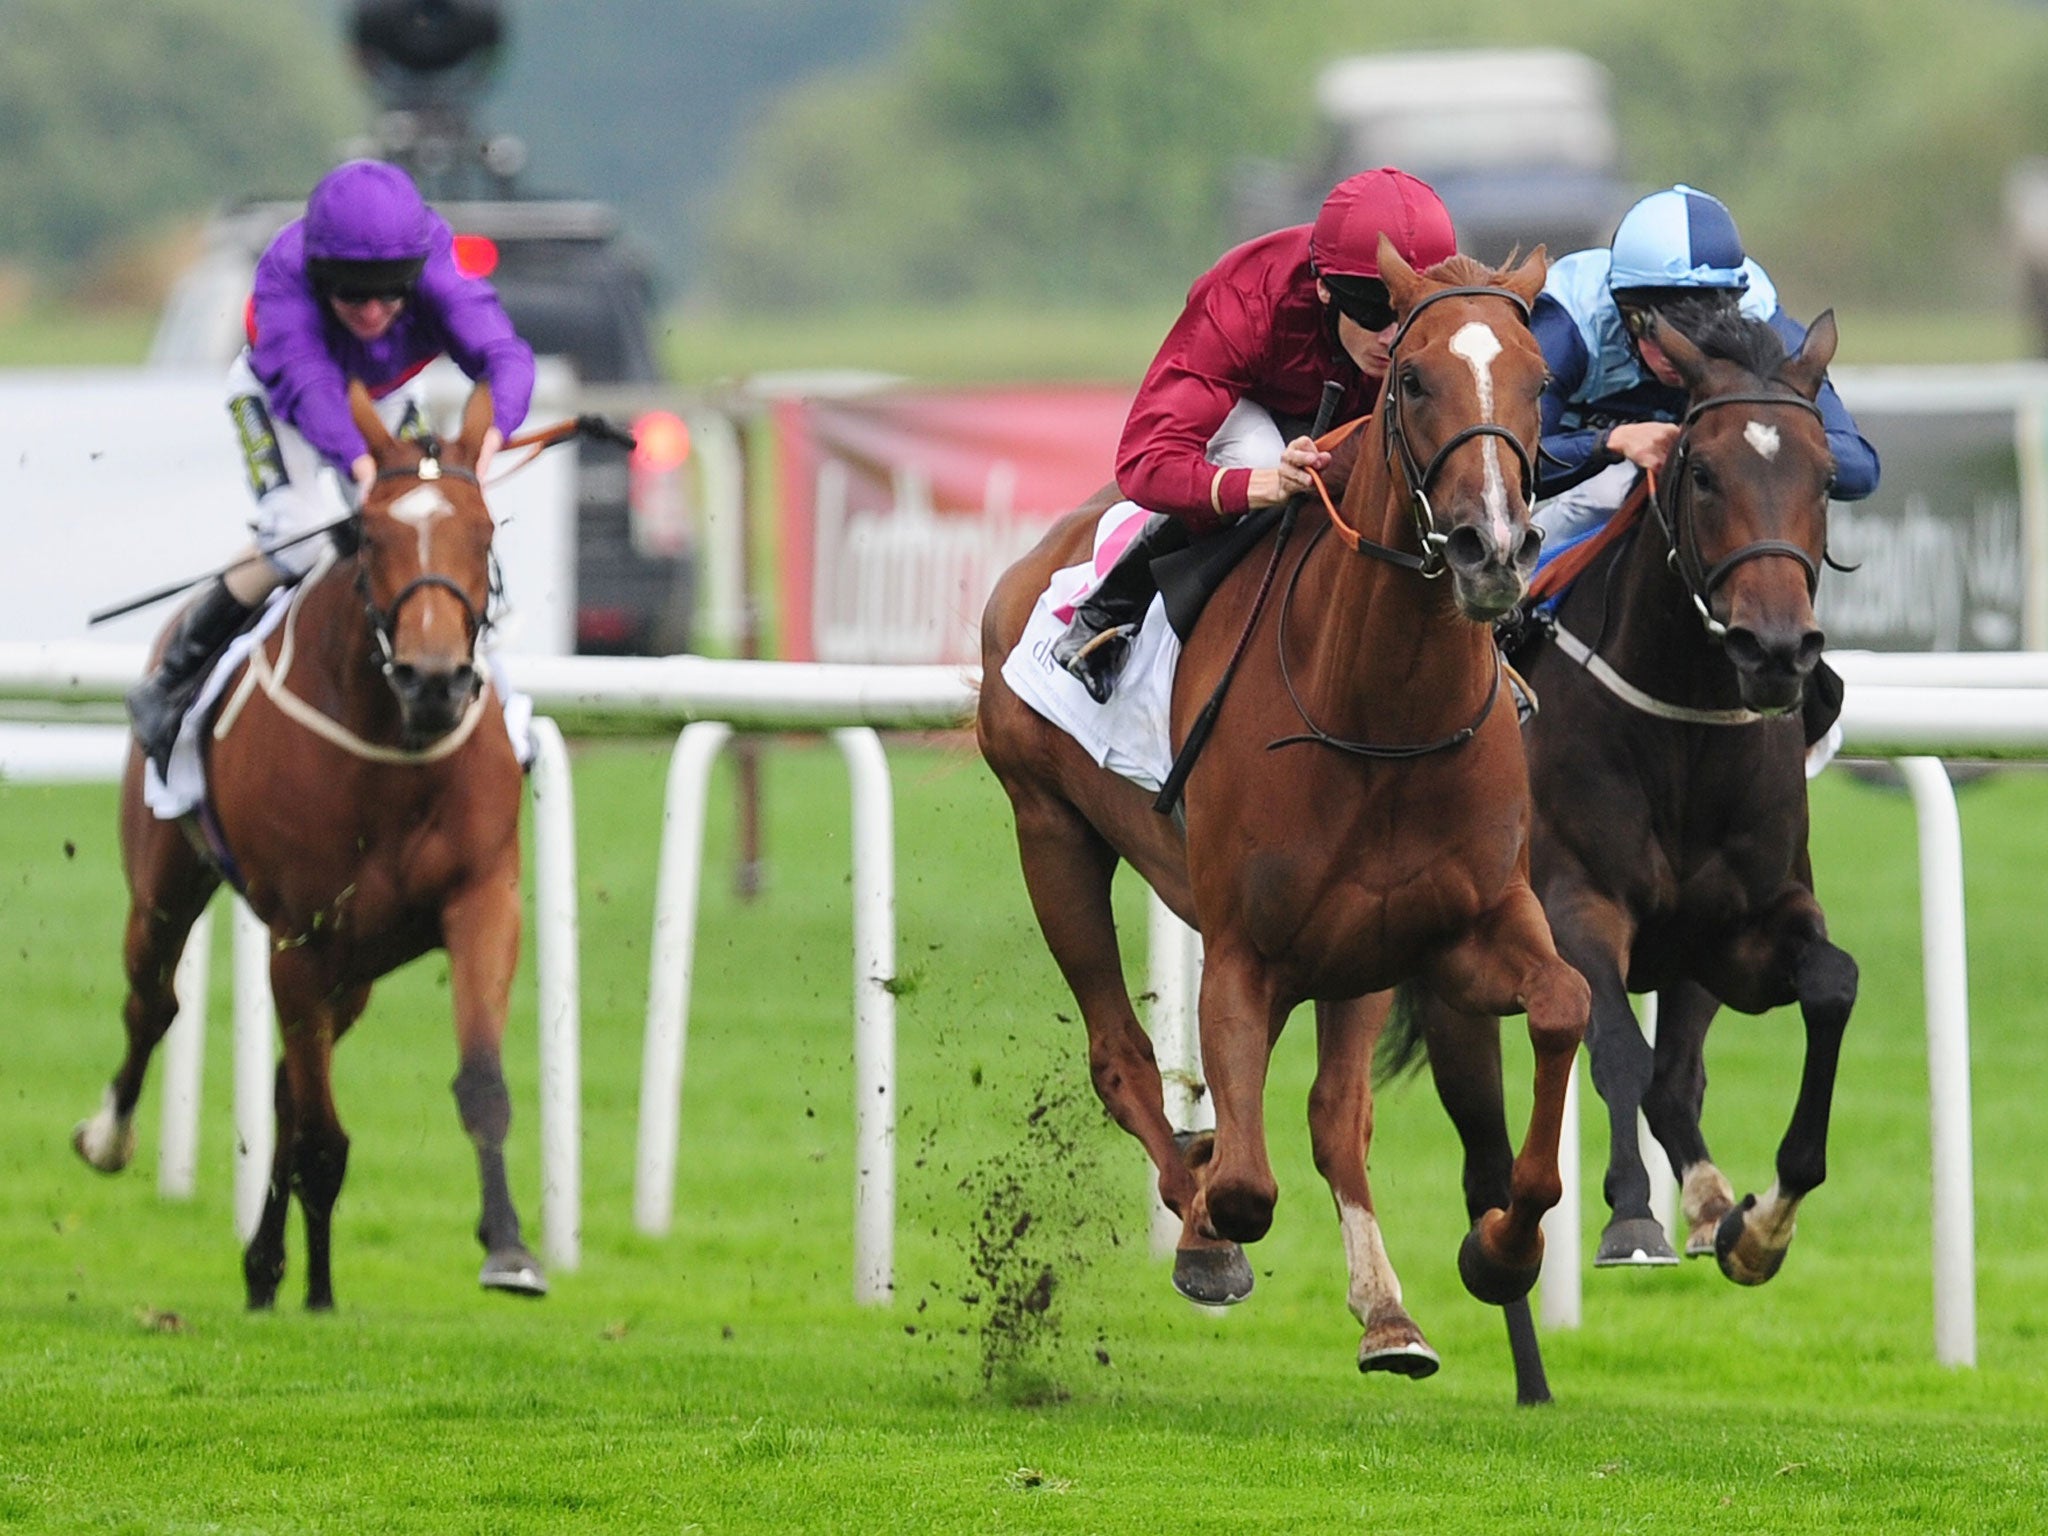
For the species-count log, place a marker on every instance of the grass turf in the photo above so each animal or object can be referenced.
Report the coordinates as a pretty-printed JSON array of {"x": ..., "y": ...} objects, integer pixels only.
[{"x": 722, "y": 1378}]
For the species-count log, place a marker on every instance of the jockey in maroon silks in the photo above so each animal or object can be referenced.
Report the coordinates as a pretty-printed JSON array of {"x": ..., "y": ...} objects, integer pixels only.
[
  {"x": 1217, "y": 427},
  {"x": 364, "y": 287}
]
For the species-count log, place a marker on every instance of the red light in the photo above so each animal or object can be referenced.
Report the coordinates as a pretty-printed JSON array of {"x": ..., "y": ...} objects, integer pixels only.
[
  {"x": 663, "y": 441},
  {"x": 476, "y": 255}
]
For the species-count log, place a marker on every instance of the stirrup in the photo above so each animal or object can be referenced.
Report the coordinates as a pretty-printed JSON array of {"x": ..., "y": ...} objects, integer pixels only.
[{"x": 1099, "y": 660}]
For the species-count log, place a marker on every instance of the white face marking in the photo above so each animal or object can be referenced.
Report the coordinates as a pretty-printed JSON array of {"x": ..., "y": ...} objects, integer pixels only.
[
  {"x": 1763, "y": 438},
  {"x": 423, "y": 506},
  {"x": 1476, "y": 343}
]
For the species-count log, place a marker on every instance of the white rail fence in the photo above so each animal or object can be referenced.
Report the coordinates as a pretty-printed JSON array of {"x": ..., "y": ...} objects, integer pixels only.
[{"x": 1917, "y": 709}]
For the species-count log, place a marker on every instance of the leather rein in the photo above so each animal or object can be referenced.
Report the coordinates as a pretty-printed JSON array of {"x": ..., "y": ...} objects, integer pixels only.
[
  {"x": 384, "y": 621},
  {"x": 1429, "y": 564}
]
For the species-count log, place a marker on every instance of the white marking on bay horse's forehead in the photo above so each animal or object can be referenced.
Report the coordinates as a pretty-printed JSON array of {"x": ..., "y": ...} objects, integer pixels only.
[
  {"x": 1762, "y": 437},
  {"x": 1476, "y": 343}
]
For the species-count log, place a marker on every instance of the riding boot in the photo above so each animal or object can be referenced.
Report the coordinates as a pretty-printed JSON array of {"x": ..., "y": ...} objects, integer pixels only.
[
  {"x": 158, "y": 702},
  {"x": 1097, "y": 642}
]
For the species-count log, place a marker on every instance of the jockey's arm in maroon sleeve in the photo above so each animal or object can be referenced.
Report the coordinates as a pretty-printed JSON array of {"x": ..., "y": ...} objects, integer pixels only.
[{"x": 1197, "y": 378}]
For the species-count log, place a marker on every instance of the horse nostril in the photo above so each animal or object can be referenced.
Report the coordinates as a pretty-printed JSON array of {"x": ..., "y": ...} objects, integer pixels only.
[
  {"x": 1744, "y": 649},
  {"x": 404, "y": 676},
  {"x": 1529, "y": 547},
  {"x": 1467, "y": 548}
]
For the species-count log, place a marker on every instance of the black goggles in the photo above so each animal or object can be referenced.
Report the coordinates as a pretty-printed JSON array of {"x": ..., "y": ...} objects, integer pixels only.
[
  {"x": 1363, "y": 301},
  {"x": 1637, "y": 319},
  {"x": 384, "y": 295}
]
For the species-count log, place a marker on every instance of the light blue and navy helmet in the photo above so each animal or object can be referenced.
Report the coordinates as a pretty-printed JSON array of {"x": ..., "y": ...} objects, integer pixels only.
[{"x": 1677, "y": 238}]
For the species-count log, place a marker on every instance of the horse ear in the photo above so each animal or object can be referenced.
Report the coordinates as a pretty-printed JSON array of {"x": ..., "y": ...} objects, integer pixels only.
[
  {"x": 1526, "y": 280},
  {"x": 1688, "y": 359},
  {"x": 1810, "y": 364},
  {"x": 1404, "y": 287},
  {"x": 476, "y": 421},
  {"x": 375, "y": 433}
]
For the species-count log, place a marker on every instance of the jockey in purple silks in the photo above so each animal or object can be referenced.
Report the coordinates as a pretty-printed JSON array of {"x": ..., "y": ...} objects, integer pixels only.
[{"x": 364, "y": 287}]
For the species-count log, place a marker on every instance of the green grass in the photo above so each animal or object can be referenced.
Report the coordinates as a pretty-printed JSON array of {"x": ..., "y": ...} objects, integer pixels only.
[{"x": 722, "y": 1379}]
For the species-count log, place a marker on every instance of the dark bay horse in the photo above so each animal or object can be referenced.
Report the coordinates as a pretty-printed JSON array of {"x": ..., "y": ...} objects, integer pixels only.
[
  {"x": 1359, "y": 817},
  {"x": 1668, "y": 765},
  {"x": 367, "y": 794}
]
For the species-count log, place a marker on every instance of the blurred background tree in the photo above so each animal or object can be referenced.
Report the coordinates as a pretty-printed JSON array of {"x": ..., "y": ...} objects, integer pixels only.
[{"x": 805, "y": 156}]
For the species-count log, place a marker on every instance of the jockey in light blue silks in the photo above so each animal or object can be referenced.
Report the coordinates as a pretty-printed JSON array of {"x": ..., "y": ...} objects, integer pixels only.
[
  {"x": 365, "y": 286},
  {"x": 1613, "y": 403}
]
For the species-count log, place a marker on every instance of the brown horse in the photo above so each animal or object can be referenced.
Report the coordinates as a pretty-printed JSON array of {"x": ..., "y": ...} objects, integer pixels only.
[
  {"x": 1360, "y": 815},
  {"x": 367, "y": 797},
  {"x": 1667, "y": 762}
]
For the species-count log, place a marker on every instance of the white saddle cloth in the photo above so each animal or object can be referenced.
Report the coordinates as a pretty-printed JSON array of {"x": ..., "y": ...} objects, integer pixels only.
[{"x": 1130, "y": 734}]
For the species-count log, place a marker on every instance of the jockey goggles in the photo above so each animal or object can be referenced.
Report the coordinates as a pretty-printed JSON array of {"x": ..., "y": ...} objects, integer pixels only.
[
  {"x": 1363, "y": 301},
  {"x": 361, "y": 282}
]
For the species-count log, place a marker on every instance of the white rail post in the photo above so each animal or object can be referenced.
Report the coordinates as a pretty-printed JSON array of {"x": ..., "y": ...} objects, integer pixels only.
[
  {"x": 560, "y": 984},
  {"x": 184, "y": 1067},
  {"x": 1945, "y": 964},
  {"x": 874, "y": 1015},
  {"x": 255, "y": 1070},
  {"x": 1663, "y": 1183},
  {"x": 668, "y": 989},
  {"x": 1562, "y": 1261}
]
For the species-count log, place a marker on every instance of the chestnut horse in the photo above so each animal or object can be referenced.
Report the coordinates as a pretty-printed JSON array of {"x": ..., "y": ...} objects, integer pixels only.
[
  {"x": 366, "y": 796},
  {"x": 1668, "y": 765},
  {"x": 1359, "y": 816}
]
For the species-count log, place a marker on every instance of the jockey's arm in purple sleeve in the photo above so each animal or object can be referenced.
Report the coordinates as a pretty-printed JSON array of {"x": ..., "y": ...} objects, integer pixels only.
[{"x": 478, "y": 335}]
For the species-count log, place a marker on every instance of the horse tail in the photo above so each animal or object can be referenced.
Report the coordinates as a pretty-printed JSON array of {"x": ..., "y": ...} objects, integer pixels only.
[{"x": 1401, "y": 1049}]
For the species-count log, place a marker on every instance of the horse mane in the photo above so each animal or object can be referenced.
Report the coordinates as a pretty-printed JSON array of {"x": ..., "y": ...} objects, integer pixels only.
[
  {"x": 1465, "y": 271},
  {"x": 1730, "y": 335}
]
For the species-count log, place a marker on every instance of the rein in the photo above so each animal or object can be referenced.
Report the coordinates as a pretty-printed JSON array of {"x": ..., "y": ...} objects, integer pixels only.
[{"x": 1429, "y": 564}]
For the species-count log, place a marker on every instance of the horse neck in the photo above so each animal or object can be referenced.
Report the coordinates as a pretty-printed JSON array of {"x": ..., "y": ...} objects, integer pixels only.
[
  {"x": 1386, "y": 653},
  {"x": 335, "y": 664}
]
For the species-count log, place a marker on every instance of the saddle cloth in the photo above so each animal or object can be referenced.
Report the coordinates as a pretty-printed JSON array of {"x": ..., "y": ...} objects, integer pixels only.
[
  {"x": 181, "y": 791},
  {"x": 1130, "y": 734}
]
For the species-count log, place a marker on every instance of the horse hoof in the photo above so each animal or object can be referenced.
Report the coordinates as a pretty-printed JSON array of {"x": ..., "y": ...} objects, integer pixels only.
[
  {"x": 1213, "y": 1277},
  {"x": 104, "y": 1142},
  {"x": 1639, "y": 1243},
  {"x": 1397, "y": 1347},
  {"x": 1487, "y": 1278},
  {"x": 516, "y": 1273},
  {"x": 1742, "y": 1260}
]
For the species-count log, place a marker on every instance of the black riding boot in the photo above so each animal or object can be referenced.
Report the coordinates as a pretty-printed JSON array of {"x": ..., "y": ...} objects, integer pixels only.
[
  {"x": 158, "y": 702},
  {"x": 1098, "y": 641}
]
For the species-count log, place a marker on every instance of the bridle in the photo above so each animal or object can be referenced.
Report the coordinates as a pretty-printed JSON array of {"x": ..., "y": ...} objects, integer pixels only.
[
  {"x": 1673, "y": 508},
  {"x": 1401, "y": 455},
  {"x": 384, "y": 621}
]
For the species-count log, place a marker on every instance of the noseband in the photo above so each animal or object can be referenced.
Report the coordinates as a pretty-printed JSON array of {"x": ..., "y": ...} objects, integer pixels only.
[
  {"x": 1681, "y": 530},
  {"x": 1399, "y": 453},
  {"x": 384, "y": 621}
]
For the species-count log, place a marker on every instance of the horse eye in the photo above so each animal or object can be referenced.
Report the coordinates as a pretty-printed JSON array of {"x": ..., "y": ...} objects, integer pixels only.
[
  {"x": 1702, "y": 478},
  {"x": 1411, "y": 384}
]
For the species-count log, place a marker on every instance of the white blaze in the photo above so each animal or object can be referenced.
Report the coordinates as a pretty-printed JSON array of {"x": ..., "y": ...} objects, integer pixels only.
[
  {"x": 423, "y": 506},
  {"x": 1476, "y": 343},
  {"x": 1762, "y": 437}
]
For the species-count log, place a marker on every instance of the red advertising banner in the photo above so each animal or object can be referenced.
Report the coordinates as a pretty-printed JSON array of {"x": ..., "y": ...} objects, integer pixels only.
[{"x": 901, "y": 508}]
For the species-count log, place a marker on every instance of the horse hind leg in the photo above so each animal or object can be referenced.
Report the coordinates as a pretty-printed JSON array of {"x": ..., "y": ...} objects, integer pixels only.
[
  {"x": 1465, "y": 1064},
  {"x": 1340, "y": 1130},
  {"x": 1068, "y": 867},
  {"x": 169, "y": 887},
  {"x": 263, "y": 1259},
  {"x": 1752, "y": 1239}
]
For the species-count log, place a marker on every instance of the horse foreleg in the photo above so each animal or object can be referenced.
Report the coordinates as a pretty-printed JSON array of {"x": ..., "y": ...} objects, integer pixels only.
[
  {"x": 1751, "y": 1241},
  {"x": 482, "y": 934},
  {"x": 1674, "y": 1103},
  {"x": 1464, "y": 1063},
  {"x": 1240, "y": 1020},
  {"x": 169, "y": 886},
  {"x": 263, "y": 1259},
  {"x": 1509, "y": 965},
  {"x": 1340, "y": 1131}
]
